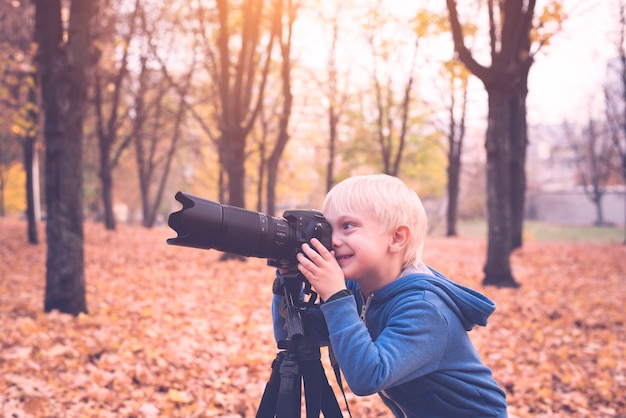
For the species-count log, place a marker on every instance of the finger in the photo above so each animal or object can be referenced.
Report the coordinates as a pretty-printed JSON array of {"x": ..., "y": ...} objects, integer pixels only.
[
  {"x": 320, "y": 248},
  {"x": 305, "y": 261},
  {"x": 311, "y": 252},
  {"x": 306, "y": 272},
  {"x": 307, "y": 267}
]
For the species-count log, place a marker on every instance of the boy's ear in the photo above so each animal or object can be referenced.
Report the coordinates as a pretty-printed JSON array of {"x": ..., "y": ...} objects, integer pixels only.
[{"x": 400, "y": 238}]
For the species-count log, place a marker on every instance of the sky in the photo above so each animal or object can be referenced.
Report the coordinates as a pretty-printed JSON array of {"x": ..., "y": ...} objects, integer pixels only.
[{"x": 565, "y": 82}]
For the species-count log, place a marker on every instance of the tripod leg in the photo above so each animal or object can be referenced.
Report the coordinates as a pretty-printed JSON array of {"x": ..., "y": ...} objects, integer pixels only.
[
  {"x": 290, "y": 392},
  {"x": 267, "y": 407},
  {"x": 330, "y": 406},
  {"x": 312, "y": 388},
  {"x": 318, "y": 392}
]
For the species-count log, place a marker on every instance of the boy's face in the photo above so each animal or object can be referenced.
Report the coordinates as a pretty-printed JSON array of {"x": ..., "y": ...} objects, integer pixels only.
[{"x": 361, "y": 247}]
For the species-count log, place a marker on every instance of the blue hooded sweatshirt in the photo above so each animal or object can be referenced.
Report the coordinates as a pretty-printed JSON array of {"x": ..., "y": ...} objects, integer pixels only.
[{"x": 408, "y": 342}]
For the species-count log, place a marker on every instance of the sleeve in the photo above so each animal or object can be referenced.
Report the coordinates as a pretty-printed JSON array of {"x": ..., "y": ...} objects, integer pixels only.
[
  {"x": 278, "y": 320},
  {"x": 411, "y": 339}
]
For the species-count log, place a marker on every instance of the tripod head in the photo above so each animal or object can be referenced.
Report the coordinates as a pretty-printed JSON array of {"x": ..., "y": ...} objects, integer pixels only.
[{"x": 299, "y": 298}]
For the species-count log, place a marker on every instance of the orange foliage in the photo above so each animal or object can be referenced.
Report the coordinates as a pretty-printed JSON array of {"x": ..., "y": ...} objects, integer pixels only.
[{"x": 173, "y": 332}]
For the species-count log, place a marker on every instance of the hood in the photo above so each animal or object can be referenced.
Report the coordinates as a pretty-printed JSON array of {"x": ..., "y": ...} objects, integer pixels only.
[{"x": 472, "y": 307}]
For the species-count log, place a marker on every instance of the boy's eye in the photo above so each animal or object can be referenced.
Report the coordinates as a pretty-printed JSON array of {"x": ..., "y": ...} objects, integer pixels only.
[{"x": 348, "y": 225}]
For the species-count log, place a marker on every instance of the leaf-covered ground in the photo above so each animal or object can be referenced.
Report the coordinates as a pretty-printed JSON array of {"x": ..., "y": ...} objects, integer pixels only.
[{"x": 172, "y": 332}]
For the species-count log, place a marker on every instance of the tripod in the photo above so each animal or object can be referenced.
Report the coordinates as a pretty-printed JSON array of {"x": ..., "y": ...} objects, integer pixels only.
[{"x": 298, "y": 362}]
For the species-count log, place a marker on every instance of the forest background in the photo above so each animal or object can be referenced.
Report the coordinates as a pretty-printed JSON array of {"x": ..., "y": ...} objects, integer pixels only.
[
  {"x": 237, "y": 105},
  {"x": 350, "y": 67}
]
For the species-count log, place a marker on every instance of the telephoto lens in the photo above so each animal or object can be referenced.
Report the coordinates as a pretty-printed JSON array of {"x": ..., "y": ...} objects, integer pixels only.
[{"x": 207, "y": 224}]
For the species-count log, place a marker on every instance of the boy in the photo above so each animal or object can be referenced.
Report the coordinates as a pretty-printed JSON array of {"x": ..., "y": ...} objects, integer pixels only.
[{"x": 396, "y": 327}]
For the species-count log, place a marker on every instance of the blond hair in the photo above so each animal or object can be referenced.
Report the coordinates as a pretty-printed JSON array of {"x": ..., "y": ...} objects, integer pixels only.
[{"x": 389, "y": 200}]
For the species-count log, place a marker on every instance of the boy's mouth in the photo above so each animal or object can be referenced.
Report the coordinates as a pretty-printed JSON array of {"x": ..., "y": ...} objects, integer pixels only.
[{"x": 343, "y": 257}]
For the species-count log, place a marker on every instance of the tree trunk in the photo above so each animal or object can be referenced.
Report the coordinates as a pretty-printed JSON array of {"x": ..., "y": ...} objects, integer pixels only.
[
  {"x": 333, "y": 121},
  {"x": 106, "y": 180},
  {"x": 232, "y": 147},
  {"x": 62, "y": 68},
  {"x": 499, "y": 204},
  {"x": 261, "y": 174},
  {"x": 155, "y": 121},
  {"x": 336, "y": 102},
  {"x": 30, "y": 160},
  {"x": 454, "y": 168},
  {"x": 2, "y": 186},
  {"x": 111, "y": 147},
  {"x": 283, "y": 34},
  {"x": 170, "y": 152},
  {"x": 596, "y": 198},
  {"x": 518, "y": 132},
  {"x": 241, "y": 83},
  {"x": 624, "y": 177},
  {"x": 234, "y": 144},
  {"x": 456, "y": 137},
  {"x": 272, "y": 178}
]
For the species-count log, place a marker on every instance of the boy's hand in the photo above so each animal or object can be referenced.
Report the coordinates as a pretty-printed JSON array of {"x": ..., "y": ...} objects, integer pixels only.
[{"x": 321, "y": 269}]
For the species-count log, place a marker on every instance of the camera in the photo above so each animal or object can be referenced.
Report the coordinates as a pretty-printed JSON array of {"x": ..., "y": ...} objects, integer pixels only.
[{"x": 207, "y": 224}]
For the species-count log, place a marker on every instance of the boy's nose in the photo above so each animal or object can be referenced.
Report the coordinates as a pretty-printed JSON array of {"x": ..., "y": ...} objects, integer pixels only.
[{"x": 336, "y": 242}]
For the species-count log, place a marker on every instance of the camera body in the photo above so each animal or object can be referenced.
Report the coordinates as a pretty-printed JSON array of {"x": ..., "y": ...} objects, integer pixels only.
[
  {"x": 305, "y": 224},
  {"x": 207, "y": 224}
]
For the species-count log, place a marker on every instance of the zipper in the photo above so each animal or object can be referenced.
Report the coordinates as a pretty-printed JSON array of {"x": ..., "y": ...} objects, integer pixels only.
[
  {"x": 365, "y": 307},
  {"x": 398, "y": 407},
  {"x": 383, "y": 393}
]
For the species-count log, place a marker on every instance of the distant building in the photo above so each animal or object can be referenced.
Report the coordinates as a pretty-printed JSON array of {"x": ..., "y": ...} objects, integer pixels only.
[
  {"x": 550, "y": 159},
  {"x": 553, "y": 193}
]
